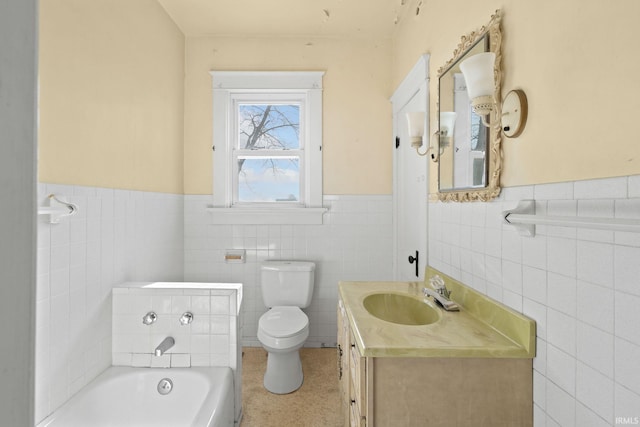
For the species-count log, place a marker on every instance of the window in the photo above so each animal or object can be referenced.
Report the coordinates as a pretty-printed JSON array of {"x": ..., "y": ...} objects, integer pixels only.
[
  {"x": 267, "y": 139},
  {"x": 268, "y": 153}
]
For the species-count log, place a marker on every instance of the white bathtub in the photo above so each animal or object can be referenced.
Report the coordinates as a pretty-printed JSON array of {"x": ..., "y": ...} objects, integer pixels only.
[{"x": 129, "y": 397}]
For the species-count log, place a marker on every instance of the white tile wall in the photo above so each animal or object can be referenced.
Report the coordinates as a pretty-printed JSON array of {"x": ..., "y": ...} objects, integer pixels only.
[
  {"x": 354, "y": 243},
  {"x": 581, "y": 286},
  {"x": 120, "y": 235},
  {"x": 116, "y": 236},
  {"x": 210, "y": 340}
]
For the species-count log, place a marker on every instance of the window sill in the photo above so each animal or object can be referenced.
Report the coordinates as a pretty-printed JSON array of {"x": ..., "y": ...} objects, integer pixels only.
[{"x": 284, "y": 216}]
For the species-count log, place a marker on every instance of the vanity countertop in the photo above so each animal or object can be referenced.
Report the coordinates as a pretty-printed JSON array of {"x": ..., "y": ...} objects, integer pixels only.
[{"x": 482, "y": 328}]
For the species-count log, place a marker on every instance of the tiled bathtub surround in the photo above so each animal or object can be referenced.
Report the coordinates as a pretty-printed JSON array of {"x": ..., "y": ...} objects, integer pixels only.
[
  {"x": 354, "y": 243},
  {"x": 116, "y": 236},
  {"x": 210, "y": 340},
  {"x": 581, "y": 286}
]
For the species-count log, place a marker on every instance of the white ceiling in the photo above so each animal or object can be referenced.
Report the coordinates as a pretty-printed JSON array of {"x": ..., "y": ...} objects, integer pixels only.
[{"x": 324, "y": 18}]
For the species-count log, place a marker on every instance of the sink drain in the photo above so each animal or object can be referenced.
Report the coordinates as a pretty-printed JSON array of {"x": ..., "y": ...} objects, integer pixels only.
[{"x": 165, "y": 386}]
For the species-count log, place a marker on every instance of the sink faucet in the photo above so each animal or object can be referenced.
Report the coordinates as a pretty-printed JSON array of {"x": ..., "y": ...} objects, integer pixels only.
[
  {"x": 446, "y": 303},
  {"x": 165, "y": 345}
]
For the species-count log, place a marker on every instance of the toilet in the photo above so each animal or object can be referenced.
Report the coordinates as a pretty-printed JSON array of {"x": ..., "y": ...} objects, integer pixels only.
[{"x": 287, "y": 286}]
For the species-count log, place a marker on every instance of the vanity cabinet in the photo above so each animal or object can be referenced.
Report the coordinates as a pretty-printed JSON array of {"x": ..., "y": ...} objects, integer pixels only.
[
  {"x": 352, "y": 374},
  {"x": 431, "y": 391},
  {"x": 344, "y": 344},
  {"x": 357, "y": 393}
]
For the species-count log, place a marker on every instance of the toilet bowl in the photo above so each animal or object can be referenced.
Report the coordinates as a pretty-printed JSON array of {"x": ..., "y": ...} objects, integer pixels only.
[{"x": 282, "y": 331}]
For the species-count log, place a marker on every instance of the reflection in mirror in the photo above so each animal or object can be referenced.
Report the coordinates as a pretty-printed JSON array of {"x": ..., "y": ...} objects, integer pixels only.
[
  {"x": 469, "y": 159},
  {"x": 462, "y": 146}
]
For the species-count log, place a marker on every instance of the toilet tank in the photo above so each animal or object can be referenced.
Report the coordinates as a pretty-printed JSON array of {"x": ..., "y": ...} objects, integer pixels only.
[{"x": 287, "y": 283}]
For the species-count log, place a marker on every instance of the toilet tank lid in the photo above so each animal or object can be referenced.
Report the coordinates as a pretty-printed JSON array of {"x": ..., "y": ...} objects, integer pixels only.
[{"x": 288, "y": 265}]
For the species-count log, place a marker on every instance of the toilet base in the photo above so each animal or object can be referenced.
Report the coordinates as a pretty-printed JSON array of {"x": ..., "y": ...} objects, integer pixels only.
[{"x": 284, "y": 372}]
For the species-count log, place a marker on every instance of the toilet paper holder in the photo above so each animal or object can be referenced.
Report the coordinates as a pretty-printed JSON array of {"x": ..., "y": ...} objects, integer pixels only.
[{"x": 235, "y": 256}]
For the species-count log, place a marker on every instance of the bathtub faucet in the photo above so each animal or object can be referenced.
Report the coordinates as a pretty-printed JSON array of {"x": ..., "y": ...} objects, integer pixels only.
[{"x": 165, "y": 345}]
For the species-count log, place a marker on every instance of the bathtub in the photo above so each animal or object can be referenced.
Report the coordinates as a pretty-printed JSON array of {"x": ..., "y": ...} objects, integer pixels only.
[{"x": 124, "y": 396}]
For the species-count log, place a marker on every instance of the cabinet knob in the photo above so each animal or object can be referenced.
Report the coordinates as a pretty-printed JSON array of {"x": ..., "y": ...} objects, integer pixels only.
[{"x": 353, "y": 401}]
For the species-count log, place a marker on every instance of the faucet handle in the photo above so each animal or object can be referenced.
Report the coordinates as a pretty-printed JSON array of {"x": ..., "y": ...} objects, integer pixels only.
[
  {"x": 186, "y": 318},
  {"x": 445, "y": 292},
  {"x": 438, "y": 284},
  {"x": 446, "y": 303},
  {"x": 149, "y": 318}
]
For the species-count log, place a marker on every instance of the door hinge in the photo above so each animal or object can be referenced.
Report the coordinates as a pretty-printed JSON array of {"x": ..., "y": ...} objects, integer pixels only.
[{"x": 397, "y": 142}]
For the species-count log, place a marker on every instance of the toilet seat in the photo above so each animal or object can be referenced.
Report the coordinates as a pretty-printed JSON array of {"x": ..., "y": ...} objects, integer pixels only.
[{"x": 283, "y": 322}]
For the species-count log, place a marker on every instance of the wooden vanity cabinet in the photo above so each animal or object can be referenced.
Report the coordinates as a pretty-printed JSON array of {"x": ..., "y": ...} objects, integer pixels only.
[
  {"x": 358, "y": 392},
  {"x": 344, "y": 345},
  {"x": 429, "y": 391},
  {"x": 352, "y": 372}
]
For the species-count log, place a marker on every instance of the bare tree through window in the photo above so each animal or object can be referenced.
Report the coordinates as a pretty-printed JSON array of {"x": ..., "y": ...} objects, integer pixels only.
[{"x": 269, "y": 152}]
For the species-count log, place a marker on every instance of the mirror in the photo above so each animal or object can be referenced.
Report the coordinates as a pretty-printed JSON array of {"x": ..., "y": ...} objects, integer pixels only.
[{"x": 470, "y": 153}]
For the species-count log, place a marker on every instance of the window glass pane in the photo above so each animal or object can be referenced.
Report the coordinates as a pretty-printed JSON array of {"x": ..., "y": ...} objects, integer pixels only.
[
  {"x": 273, "y": 127},
  {"x": 478, "y": 133},
  {"x": 269, "y": 179}
]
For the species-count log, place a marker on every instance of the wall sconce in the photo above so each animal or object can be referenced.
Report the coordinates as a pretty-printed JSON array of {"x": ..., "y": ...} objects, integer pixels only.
[
  {"x": 444, "y": 137},
  {"x": 478, "y": 73},
  {"x": 415, "y": 122},
  {"x": 447, "y": 125}
]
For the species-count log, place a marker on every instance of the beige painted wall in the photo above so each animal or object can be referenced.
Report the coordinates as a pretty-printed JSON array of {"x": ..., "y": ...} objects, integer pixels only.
[
  {"x": 357, "y": 111},
  {"x": 111, "y": 77},
  {"x": 120, "y": 107},
  {"x": 576, "y": 61}
]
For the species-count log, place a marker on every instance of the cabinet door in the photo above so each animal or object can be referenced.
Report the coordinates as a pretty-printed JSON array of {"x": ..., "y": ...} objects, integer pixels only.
[
  {"x": 343, "y": 360},
  {"x": 356, "y": 419},
  {"x": 358, "y": 377},
  {"x": 358, "y": 374}
]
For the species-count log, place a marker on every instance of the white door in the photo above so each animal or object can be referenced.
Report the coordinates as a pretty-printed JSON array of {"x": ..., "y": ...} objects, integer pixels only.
[{"x": 410, "y": 179}]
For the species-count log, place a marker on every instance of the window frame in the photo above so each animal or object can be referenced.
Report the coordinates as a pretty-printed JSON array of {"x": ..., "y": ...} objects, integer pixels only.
[{"x": 304, "y": 86}]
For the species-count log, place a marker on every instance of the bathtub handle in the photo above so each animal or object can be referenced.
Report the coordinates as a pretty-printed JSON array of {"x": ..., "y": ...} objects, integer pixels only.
[
  {"x": 149, "y": 318},
  {"x": 186, "y": 318}
]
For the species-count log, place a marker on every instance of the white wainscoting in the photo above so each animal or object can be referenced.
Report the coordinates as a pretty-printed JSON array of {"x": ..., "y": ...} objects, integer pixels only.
[
  {"x": 581, "y": 286},
  {"x": 116, "y": 236}
]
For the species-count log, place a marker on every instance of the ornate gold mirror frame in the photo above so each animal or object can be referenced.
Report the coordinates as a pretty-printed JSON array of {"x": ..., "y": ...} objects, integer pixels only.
[{"x": 494, "y": 149}]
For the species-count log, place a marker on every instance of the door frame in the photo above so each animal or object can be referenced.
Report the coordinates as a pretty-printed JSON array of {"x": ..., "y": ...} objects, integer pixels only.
[{"x": 417, "y": 79}]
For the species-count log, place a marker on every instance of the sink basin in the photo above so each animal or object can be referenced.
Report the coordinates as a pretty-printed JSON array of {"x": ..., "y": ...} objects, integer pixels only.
[{"x": 400, "y": 309}]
